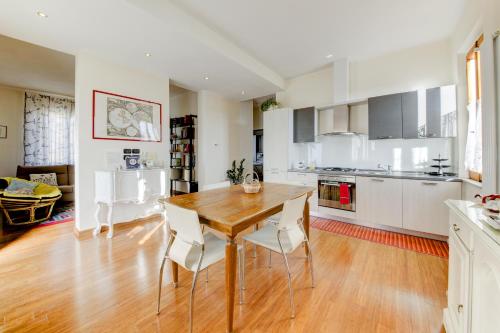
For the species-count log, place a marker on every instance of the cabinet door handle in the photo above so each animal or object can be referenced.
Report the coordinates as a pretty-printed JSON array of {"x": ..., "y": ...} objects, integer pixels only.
[
  {"x": 385, "y": 137},
  {"x": 455, "y": 227},
  {"x": 429, "y": 184},
  {"x": 460, "y": 308},
  {"x": 377, "y": 180}
]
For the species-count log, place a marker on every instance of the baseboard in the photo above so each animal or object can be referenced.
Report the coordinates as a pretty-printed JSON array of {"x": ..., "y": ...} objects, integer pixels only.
[{"x": 88, "y": 233}]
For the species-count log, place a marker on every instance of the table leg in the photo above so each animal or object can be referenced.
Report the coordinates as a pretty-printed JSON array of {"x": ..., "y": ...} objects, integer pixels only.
[
  {"x": 175, "y": 273},
  {"x": 230, "y": 281},
  {"x": 306, "y": 223}
]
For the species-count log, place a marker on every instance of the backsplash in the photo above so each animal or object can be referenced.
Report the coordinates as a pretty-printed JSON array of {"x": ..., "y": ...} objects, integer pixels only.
[{"x": 359, "y": 152}]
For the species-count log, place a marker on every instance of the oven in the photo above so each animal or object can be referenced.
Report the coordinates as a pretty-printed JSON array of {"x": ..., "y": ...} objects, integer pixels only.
[{"x": 329, "y": 192}]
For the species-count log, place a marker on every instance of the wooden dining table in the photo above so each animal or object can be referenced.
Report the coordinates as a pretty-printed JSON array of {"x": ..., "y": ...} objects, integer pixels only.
[{"x": 230, "y": 211}]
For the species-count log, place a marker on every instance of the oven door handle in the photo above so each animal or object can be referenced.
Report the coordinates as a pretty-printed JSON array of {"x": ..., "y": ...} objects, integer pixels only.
[{"x": 333, "y": 184}]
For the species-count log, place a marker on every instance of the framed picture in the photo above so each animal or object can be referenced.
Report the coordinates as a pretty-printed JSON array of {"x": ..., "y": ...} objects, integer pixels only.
[
  {"x": 3, "y": 132},
  {"x": 117, "y": 117}
]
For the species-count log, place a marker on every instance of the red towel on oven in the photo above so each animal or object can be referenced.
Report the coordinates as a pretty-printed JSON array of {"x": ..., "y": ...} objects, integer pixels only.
[{"x": 345, "y": 197}]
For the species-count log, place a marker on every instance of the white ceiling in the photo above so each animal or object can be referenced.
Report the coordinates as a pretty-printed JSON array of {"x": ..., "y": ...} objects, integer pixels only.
[
  {"x": 240, "y": 45},
  {"x": 123, "y": 31},
  {"x": 294, "y": 36},
  {"x": 30, "y": 66}
]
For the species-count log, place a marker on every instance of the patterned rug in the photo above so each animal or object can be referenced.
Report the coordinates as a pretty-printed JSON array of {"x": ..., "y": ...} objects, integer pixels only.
[
  {"x": 407, "y": 242},
  {"x": 61, "y": 214}
]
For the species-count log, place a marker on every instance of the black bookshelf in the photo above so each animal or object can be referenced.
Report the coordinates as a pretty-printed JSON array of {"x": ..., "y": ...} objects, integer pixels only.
[{"x": 183, "y": 155}]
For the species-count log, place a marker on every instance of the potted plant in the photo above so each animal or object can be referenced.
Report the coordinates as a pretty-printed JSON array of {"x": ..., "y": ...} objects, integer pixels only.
[
  {"x": 235, "y": 174},
  {"x": 270, "y": 104}
]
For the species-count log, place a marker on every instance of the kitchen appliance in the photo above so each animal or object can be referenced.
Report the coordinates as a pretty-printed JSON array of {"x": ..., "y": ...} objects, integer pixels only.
[
  {"x": 329, "y": 190},
  {"x": 338, "y": 169}
]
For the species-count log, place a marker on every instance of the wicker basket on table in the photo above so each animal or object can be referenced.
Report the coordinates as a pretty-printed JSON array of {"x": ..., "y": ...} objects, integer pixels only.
[{"x": 251, "y": 185}]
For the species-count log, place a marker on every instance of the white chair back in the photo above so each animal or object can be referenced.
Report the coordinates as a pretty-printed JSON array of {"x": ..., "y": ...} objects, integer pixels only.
[
  {"x": 293, "y": 211},
  {"x": 188, "y": 234},
  {"x": 215, "y": 186}
]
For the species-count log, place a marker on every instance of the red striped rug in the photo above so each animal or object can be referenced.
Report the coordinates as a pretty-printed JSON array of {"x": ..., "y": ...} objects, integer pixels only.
[{"x": 406, "y": 242}]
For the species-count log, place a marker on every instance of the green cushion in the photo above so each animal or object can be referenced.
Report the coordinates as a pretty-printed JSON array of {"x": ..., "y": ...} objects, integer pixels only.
[{"x": 41, "y": 191}]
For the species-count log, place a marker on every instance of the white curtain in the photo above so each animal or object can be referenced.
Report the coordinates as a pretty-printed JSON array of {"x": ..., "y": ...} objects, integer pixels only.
[
  {"x": 473, "y": 147},
  {"x": 48, "y": 130}
]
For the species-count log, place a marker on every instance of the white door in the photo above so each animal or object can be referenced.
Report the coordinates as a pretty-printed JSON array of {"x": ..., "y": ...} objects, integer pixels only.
[
  {"x": 485, "y": 287},
  {"x": 423, "y": 205},
  {"x": 379, "y": 201},
  {"x": 458, "y": 284}
]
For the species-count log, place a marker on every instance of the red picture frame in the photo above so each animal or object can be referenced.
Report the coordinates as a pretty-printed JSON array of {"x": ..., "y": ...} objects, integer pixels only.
[{"x": 97, "y": 137}]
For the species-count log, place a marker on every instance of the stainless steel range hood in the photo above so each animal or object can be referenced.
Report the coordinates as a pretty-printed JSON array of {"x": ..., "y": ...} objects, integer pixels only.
[
  {"x": 348, "y": 118},
  {"x": 334, "y": 120}
]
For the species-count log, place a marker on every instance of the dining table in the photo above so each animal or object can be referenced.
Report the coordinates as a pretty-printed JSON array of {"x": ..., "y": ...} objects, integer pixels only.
[{"x": 230, "y": 211}]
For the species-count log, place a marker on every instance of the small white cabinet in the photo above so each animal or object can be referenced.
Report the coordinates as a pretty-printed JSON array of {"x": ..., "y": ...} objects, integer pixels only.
[
  {"x": 277, "y": 141},
  {"x": 474, "y": 272},
  {"x": 423, "y": 205},
  {"x": 458, "y": 285},
  {"x": 379, "y": 201},
  {"x": 485, "y": 287}
]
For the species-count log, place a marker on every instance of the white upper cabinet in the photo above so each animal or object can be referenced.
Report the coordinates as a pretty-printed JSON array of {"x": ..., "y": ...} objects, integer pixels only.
[
  {"x": 423, "y": 205},
  {"x": 379, "y": 201}
]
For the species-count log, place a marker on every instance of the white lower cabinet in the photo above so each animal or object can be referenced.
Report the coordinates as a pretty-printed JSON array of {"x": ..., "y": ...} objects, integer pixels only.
[
  {"x": 423, "y": 205},
  {"x": 379, "y": 201},
  {"x": 474, "y": 272},
  {"x": 457, "y": 313},
  {"x": 306, "y": 179},
  {"x": 275, "y": 176},
  {"x": 485, "y": 287}
]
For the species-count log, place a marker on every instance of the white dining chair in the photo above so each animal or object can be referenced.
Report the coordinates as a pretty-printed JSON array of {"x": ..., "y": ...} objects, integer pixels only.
[
  {"x": 192, "y": 249},
  {"x": 284, "y": 238}
]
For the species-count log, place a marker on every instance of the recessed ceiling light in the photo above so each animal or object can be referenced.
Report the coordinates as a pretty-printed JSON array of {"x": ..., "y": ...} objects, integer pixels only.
[
  {"x": 328, "y": 56},
  {"x": 147, "y": 54},
  {"x": 41, "y": 14},
  {"x": 206, "y": 77}
]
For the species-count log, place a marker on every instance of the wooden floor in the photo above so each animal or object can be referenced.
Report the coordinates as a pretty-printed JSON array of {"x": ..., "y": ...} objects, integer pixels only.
[{"x": 51, "y": 282}]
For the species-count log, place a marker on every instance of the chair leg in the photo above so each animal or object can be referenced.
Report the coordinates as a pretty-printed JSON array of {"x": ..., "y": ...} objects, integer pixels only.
[
  {"x": 309, "y": 257},
  {"x": 193, "y": 285},
  {"x": 290, "y": 290},
  {"x": 161, "y": 279}
]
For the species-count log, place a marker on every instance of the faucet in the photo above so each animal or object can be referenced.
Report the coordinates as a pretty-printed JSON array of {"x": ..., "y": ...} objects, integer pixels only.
[{"x": 381, "y": 166}]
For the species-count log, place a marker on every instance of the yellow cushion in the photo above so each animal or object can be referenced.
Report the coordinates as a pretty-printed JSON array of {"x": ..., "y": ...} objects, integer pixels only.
[{"x": 41, "y": 191}]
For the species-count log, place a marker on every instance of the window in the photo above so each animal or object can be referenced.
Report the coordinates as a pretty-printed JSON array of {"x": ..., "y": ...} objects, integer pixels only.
[
  {"x": 474, "y": 147},
  {"x": 48, "y": 130}
]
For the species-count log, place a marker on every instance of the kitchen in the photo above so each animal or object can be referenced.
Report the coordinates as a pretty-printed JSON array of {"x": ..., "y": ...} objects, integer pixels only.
[{"x": 374, "y": 161}]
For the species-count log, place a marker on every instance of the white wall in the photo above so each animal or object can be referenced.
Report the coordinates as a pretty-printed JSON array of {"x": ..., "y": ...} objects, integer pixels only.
[
  {"x": 312, "y": 89},
  {"x": 93, "y": 73},
  {"x": 12, "y": 116},
  {"x": 424, "y": 66},
  {"x": 183, "y": 104},
  {"x": 480, "y": 17},
  {"x": 225, "y": 134}
]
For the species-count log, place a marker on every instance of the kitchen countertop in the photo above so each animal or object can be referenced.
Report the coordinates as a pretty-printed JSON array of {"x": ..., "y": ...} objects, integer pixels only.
[
  {"x": 476, "y": 215},
  {"x": 382, "y": 174}
]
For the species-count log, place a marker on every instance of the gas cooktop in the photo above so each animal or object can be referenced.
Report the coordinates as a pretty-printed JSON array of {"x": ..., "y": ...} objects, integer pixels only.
[{"x": 338, "y": 169}]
